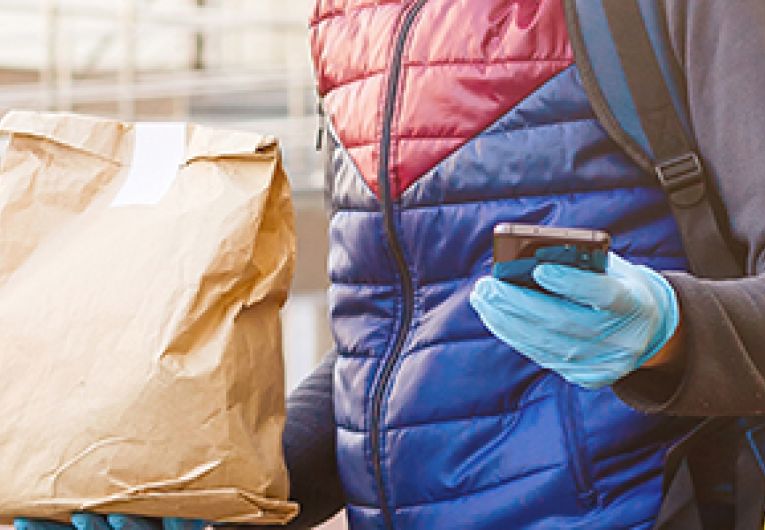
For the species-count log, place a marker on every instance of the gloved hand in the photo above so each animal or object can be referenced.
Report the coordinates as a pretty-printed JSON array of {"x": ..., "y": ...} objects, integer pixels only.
[
  {"x": 87, "y": 521},
  {"x": 590, "y": 328}
]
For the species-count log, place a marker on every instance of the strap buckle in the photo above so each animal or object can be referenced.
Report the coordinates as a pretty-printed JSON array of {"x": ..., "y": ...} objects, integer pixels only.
[{"x": 683, "y": 179}]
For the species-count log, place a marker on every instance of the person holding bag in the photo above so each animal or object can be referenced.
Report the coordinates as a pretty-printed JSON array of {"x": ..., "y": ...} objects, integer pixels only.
[{"x": 445, "y": 118}]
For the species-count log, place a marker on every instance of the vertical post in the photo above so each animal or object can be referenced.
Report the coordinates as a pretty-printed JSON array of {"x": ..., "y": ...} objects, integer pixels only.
[
  {"x": 200, "y": 38},
  {"x": 295, "y": 56},
  {"x": 296, "y": 79},
  {"x": 47, "y": 80},
  {"x": 127, "y": 71},
  {"x": 64, "y": 68}
]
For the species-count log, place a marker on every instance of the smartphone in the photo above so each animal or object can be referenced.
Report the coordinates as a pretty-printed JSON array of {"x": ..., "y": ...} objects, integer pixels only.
[{"x": 518, "y": 248}]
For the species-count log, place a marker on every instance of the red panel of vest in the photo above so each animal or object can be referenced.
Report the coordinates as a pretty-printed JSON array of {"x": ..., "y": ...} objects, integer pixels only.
[{"x": 457, "y": 77}]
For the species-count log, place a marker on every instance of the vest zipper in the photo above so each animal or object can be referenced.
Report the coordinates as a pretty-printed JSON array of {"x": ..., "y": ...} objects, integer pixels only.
[{"x": 407, "y": 289}]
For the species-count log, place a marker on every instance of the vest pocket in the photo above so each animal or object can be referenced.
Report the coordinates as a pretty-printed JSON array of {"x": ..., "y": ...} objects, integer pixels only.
[{"x": 571, "y": 418}]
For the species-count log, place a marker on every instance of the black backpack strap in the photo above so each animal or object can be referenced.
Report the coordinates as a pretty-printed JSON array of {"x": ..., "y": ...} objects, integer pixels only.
[{"x": 632, "y": 81}]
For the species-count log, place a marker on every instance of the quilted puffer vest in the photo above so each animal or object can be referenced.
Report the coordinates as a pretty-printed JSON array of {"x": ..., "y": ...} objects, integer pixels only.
[{"x": 447, "y": 117}]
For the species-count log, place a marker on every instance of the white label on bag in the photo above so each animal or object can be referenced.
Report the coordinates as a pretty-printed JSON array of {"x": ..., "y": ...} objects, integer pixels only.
[{"x": 159, "y": 151}]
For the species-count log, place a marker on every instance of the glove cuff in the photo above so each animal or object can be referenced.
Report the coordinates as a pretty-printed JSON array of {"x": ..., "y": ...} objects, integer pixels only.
[{"x": 669, "y": 311}]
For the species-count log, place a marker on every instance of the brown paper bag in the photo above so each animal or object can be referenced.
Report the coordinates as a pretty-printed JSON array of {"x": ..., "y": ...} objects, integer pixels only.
[{"x": 140, "y": 342}]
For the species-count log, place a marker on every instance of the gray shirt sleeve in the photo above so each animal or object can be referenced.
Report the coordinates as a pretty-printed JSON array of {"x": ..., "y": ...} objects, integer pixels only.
[{"x": 721, "y": 47}]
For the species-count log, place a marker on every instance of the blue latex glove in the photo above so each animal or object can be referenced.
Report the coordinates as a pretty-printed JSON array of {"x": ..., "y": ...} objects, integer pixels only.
[
  {"x": 87, "y": 521},
  {"x": 593, "y": 329}
]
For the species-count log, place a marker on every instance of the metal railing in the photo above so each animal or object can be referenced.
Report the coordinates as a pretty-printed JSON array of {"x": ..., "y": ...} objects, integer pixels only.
[
  {"x": 60, "y": 86},
  {"x": 200, "y": 18}
]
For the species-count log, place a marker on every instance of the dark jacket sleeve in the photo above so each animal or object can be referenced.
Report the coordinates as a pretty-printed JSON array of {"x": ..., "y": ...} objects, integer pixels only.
[
  {"x": 721, "y": 46},
  {"x": 309, "y": 449}
]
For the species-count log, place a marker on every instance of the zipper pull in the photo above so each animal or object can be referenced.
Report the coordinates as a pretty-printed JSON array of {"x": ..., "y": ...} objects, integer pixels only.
[{"x": 320, "y": 132}]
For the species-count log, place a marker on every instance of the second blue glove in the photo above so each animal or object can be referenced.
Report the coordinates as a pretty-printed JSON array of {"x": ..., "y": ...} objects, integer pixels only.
[{"x": 89, "y": 521}]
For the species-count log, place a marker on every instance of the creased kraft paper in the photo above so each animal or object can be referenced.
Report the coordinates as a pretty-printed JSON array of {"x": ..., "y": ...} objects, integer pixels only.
[{"x": 140, "y": 341}]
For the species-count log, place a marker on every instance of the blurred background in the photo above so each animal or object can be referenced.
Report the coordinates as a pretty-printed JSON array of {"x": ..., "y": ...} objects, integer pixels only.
[{"x": 233, "y": 63}]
